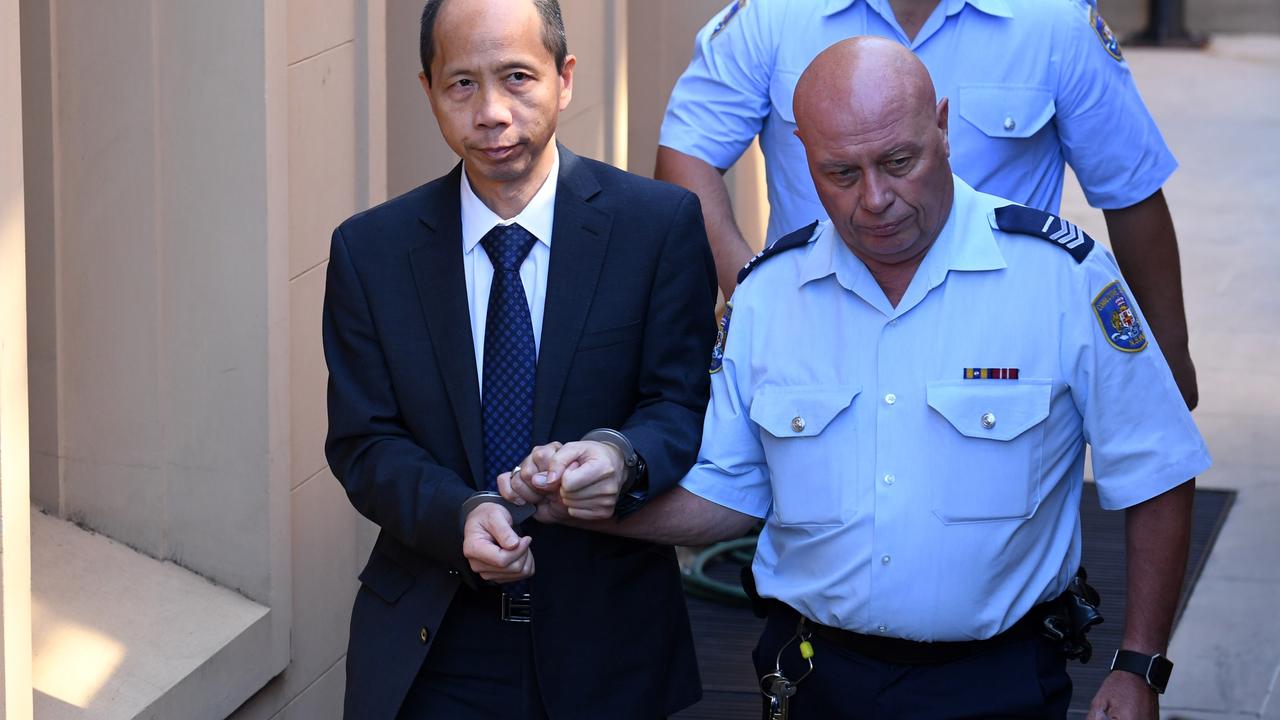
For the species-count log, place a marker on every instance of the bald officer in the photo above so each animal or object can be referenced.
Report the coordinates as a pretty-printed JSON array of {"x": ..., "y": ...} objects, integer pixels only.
[
  {"x": 920, "y": 471},
  {"x": 1032, "y": 84}
]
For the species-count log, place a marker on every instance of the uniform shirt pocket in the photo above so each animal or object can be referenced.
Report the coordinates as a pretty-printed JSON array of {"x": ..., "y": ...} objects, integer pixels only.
[
  {"x": 986, "y": 459},
  {"x": 1006, "y": 111},
  {"x": 810, "y": 445}
]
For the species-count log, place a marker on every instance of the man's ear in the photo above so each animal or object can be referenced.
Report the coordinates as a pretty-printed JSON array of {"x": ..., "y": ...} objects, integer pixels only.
[
  {"x": 942, "y": 118},
  {"x": 566, "y": 81},
  {"x": 425, "y": 81}
]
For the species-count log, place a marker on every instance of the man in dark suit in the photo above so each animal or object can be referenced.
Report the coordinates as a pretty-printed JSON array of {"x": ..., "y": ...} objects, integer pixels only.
[{"x": 528, "y": 297}]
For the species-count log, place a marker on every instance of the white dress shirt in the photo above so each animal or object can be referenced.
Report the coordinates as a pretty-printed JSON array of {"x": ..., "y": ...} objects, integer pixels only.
[{"x": 477, "y": 220}]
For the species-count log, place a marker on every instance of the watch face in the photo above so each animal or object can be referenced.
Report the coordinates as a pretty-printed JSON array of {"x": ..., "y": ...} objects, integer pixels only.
[{"x": 1161, "y": 669}]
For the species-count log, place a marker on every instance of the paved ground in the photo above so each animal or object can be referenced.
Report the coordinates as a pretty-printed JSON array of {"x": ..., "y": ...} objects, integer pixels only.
[{"x": 1220, "y": 111}]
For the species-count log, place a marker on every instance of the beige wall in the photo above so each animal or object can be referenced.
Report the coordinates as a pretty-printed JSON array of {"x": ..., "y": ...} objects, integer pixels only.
[{"x": 15, "y": 532}]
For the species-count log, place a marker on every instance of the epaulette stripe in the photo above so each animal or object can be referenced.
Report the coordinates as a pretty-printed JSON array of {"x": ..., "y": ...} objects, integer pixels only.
[
  {"x": 1046, "y": 226},
  {"x": 799, "y": 238}
]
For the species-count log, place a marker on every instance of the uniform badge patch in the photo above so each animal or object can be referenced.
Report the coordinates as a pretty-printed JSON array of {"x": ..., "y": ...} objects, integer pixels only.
[
  {"x": 1107, "y": 37},
  {"x": 728, "y": 17},
  {"x": 1120, "y": 324},
  {"x": 722, "y": 335}
]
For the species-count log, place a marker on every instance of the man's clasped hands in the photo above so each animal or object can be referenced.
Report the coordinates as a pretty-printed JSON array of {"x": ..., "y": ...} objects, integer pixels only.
[{"x": 570, "y": 481}]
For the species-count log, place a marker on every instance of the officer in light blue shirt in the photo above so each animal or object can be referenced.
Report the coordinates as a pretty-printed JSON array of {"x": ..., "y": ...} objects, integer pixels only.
[
  {"x": 904, "y": 393},
  {"x": 1033, "y": 85}
]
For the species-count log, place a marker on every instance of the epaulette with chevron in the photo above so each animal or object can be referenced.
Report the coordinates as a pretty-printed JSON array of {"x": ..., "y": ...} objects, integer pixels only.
[
  {"x": 799, "y": 238},
  {"x": 1029, "y": 221}
]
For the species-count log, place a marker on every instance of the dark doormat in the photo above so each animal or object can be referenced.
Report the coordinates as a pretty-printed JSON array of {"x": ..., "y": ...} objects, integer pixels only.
[{"x": 725, "y": 635}]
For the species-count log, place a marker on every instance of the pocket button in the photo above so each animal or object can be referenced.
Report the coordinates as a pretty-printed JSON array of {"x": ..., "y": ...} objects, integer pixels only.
[
  {"x": 988, "y": 420},
  {"x": 797, "y": 424}
]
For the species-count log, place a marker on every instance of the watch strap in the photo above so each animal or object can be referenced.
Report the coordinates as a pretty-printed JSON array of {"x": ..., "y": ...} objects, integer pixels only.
[{"x": 1154, "y": 669}]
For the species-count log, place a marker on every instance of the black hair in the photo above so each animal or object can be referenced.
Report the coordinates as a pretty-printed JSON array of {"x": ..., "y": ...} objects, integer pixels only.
[{"x": 552, "y": 32}]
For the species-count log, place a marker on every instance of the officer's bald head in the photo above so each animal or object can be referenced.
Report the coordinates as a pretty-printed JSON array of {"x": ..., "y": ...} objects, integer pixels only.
[
  {"x": 876, "y": 142},
  {"x": 867, "y": 76}
]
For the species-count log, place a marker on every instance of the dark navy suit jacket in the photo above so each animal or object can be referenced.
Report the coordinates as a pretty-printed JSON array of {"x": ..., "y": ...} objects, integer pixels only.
[{"x": 627, "y": 330}]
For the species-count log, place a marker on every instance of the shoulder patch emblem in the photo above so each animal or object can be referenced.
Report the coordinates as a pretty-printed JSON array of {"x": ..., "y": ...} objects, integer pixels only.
[
  {"x": 722, "y": 336},
  {"x": 1029, "y": 221},
  {"x": 1120, "y": 324},
  {"x": 1108, "y": 38},
  {"x": 799, "y": 238},
  {"x": 728, "y": 17}
]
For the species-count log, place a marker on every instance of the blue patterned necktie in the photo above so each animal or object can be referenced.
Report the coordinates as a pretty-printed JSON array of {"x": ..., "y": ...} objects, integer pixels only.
[{"x": 510, "y": 357}]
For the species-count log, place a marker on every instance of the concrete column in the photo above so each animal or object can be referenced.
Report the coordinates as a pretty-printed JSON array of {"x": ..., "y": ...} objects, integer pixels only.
[{"x": 15, "y": 504}]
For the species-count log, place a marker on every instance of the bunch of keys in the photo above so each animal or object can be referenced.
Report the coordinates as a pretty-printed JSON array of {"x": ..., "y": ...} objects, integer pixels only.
[{"x": 777, "y": 687}]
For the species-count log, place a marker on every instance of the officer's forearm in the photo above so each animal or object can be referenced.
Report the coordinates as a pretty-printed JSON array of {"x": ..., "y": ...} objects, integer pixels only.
[
  {"x": 1145, "y": 245},
  {"x": 727, "y": 244},
  {"x": 676, "y": 517},
  {"x": 1157, "y": 533}
]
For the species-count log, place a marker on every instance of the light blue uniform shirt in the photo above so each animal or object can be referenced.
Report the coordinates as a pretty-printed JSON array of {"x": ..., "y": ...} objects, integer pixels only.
[
  {"x": 900, "y": 498},
  {"x": 1031, "y": 84}
]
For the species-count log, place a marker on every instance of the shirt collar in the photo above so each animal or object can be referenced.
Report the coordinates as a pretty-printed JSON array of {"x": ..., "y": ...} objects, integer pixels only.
[
  {"x": 975, "y": 251},
  {"x": 537, "y": 217},
  {"x": 999, "y": 8}
]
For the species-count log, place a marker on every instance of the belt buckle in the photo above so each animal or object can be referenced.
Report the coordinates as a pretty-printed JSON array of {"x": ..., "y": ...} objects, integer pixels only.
[{"x": 516, "y": 607}]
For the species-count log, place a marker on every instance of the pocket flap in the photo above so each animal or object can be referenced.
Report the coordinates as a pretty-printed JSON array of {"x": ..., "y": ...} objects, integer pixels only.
[
  {"x": 385, "y": 577},
  {"x": 1006, "y": 111},
  {"x": 800, "y": 410},
  {"x": 782, "y": 89},
  {"x": 991, "y": 409}
]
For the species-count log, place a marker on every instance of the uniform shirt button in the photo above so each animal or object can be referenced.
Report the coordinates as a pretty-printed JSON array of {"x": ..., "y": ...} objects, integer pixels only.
[
  {"x": 890, "y": 399},
  {"x": 988, "y": 420},
  {"x": 1009, "y": 123},
  {"x": 797, "y": 423},
  {"x": 893, "y": 323},
  {"x": 889, "y": 479},
  {"x": 885, "y": 560},
  {"x": 424, "y": 634},
  {"x": 883, "y": 629}
]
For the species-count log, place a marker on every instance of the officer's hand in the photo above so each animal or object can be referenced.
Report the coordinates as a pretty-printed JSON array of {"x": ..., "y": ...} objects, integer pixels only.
[
  {"x": 492, "y": 547},
  {"x": 589, "y": 475},
  {"x": 1124, "y": 696},
  {"x": 529, "y": 484}
]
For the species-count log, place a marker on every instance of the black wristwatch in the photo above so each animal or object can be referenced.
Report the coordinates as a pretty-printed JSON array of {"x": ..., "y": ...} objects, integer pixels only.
[{"x": 1155, "y": 669}]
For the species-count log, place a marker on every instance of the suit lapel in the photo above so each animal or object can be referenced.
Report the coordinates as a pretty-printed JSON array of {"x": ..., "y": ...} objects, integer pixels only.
[
  {"x": 442, "y": 290},
  {"x": 579, "y": 239}
]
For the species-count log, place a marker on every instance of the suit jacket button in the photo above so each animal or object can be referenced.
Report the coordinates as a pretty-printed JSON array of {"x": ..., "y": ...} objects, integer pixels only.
[
  {"x": 423, "y": 635},
  {"x": 453, "y": 573}
]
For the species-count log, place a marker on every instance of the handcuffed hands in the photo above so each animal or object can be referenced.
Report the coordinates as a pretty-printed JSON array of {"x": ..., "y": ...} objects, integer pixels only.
[
  {"x": 493, "y": 548},
  {"x": 579, "y": 480}
]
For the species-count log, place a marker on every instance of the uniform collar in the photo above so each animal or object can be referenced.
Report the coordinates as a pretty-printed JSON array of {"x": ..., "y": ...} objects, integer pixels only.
[
  {"x": 537, "y": 217},
  {"x": 965, "y": 244},
  {"x": 999, "y": 8}
]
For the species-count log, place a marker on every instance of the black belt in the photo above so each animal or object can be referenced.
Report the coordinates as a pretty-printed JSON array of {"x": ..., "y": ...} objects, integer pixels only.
[
  {"x": 898, "y": 651},
  {"x": 510, "y": 607}
]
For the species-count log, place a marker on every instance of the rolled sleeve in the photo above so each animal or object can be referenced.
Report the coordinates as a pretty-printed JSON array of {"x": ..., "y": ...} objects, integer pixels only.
[
  {"x": 731, "y": 469},
  {"x": 1143, "y": 440},
  {"x": 720, "y": 102},
  {"x": 1108, "y": 136}
]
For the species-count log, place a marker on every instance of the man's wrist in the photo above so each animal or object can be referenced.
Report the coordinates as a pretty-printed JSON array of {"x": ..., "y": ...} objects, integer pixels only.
[
  {"x": 629, "y": 472},
  {"x": 1154, "y": 669},
  {"x": 633, "y": 488}
]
